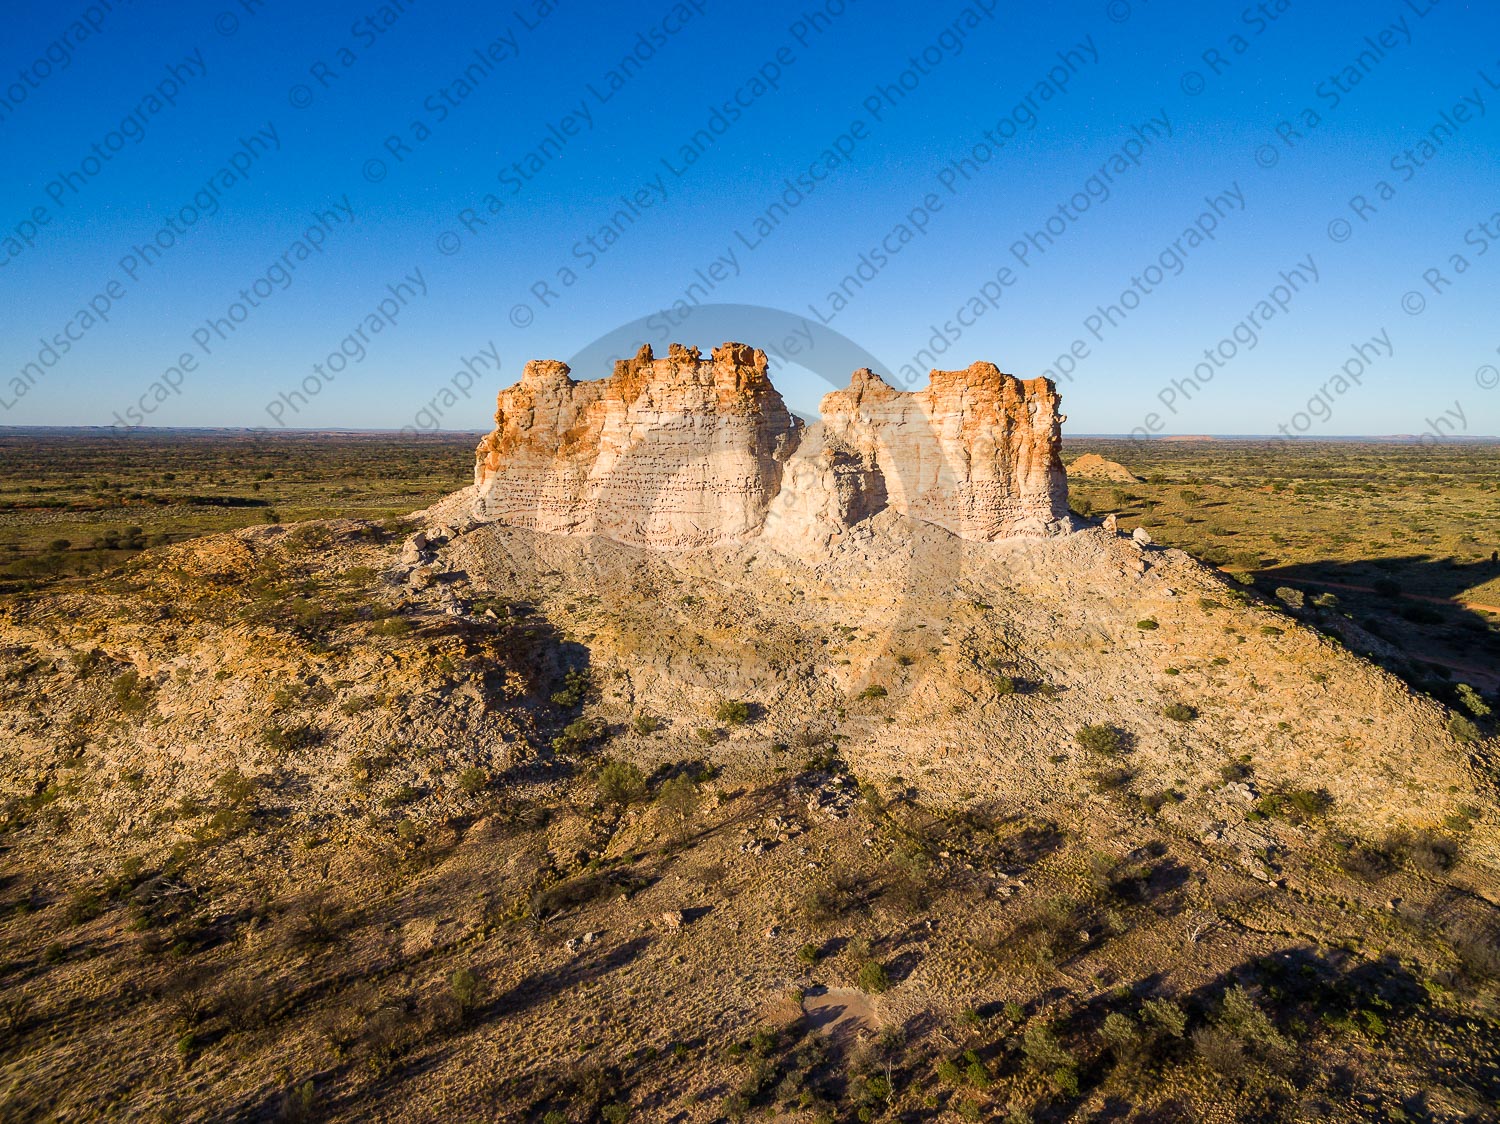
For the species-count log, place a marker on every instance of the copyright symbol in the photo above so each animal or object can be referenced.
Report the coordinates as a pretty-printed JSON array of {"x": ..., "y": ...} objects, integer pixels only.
[
  {"x": 1414, "y": 303},
  {"x": 449, "y": 243},
  {"x": 1340, "y": 230},
  {"x": 1487, "y": 377},
  {"x": 374, "y": 170},
  {"x": 300, "y": 97},
  {"x": 1118, "y": 10},
  {"x": 521, "y": 315},
  {"x": 227, "y": 24},
  {"x": 1267, "y": 156},
  {"x": 1193, "y": 83}
]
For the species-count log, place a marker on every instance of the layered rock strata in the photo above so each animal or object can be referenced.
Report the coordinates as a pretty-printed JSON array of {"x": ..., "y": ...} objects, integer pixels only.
[
  {"x": 676, "y": 453},
  {"x": 683, "y": 453},
  {"x": 975, "y": 452}
]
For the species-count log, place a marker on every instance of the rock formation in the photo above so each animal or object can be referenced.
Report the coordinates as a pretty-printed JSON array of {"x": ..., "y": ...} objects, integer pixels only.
[
  {"x": 1091, "y": 466},
  {"x": 681, "y": 452},
  {"x": 684, "y": 452},
  {"x": 976, "y": 452}
]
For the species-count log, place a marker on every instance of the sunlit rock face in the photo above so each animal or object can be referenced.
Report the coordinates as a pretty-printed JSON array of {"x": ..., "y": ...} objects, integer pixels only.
[
  {"x": 676, "y": 453},
  {"x": 975, "y": 452},
  {"x": 686, "y": 452}
]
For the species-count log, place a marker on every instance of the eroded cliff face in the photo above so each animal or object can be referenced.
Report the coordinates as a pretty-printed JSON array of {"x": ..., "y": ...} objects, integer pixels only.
[
  {"x": 677, "y": 453},
  {"x": 683, "y": 453},
  {"x": 975, "y": 452}
]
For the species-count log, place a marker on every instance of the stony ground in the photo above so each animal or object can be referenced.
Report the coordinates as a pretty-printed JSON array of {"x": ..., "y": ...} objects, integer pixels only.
[{"x": 337, "y": 821}]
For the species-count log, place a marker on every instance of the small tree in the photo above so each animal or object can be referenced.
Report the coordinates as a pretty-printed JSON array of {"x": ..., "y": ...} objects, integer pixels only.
[
  {"x": 466, "y": 988},
  {"x": 1165, "y": 1017},
  {"x": 1046, "y": 1055},
  {"x": 1242, "y": 1017},
  {"x": 1120, "y": 1034},
  {"x": 678, "y": 798}
]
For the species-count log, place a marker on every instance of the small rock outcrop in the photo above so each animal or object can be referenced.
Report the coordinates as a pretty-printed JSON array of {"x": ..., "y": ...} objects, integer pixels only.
[
  {"x": 676, "y": 453},
  {"x": 686, "y": 452},
  {"x": 1091, "y": 466}
]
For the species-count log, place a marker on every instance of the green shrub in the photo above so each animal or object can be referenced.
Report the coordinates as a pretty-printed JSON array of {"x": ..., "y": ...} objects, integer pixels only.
[
  {"x": 1472, "y": 701},
  {"x": 472, "y": 780},
  {"x": 84, "y": 905},
  {"x": 1147, "y": 625},
  {"x": 873, "y": 977},
  {"x": 576, "y": 686},
  {"x": 290, "y": 739},
  {"x": 645, "y": 724},
  {"x": 235, "y": 787},
  {"x": 874, "y": 691},
  {"x": 1297, "y": 805},
  {"x": 734, "y": 712},
  {"x": 1179, "y": 712},
  {"x": 1044, "y": 1053},
  {"x": 466, "y": 988},
  {"x": 1102, "y": 739},
  {"x": 1463, "y": 729},
  {"x": 1241, "y": 1016},
  {"x": 578, "y": 734},
  {"x": 406, "y": 794},
  {"x": 620, "y": 784},
  {"x": 299, "y": 1102},
  {"x": 809, "y": 954},
  {"x": 131, "y": 694},
  {"x": 1164, "y": 1017},
  {"x": 1005, "y": 685}
]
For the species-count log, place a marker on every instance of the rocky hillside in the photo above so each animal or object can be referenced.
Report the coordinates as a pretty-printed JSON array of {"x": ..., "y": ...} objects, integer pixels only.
[{"x": 861, "y": 813}]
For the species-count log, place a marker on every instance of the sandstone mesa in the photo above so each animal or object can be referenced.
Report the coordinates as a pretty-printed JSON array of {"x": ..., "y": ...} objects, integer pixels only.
[{"x": 684, "y": 452}]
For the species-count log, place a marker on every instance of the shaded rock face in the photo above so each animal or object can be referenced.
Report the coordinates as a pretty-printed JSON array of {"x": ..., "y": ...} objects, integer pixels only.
[
  {"x": 676, "y": 453},
  {"x": 976, "y": 452},
  {"x": 684, "y": 453}
]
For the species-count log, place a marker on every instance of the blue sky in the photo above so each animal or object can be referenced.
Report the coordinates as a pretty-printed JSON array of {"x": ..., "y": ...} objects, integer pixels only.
[{"x": 1195, "y": 167}]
